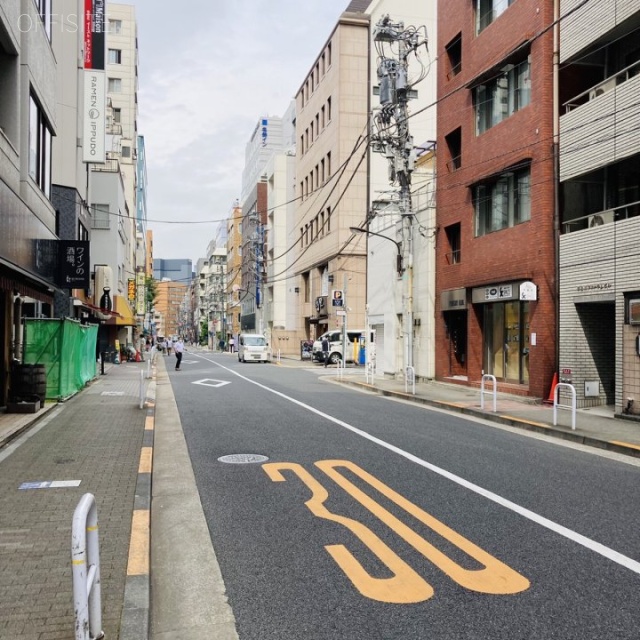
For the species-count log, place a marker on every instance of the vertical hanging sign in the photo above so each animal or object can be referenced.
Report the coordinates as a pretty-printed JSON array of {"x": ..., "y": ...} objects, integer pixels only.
[
  {"x": 95, "y": 98},
  {"x": 140, "y": 293}
]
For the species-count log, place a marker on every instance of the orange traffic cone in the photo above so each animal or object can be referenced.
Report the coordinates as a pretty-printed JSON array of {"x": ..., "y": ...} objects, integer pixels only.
[
  {"x": 552, "y": 392},
  {"x": 138, "y": 358}
]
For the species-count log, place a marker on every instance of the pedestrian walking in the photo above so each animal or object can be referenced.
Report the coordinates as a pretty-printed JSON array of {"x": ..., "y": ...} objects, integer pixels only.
[
  {"x": 325, "y": 350},
  {"x": 169, "y": 345},
  {"x": 178, "y": 347},
  {"x": 232, "y": 344}
]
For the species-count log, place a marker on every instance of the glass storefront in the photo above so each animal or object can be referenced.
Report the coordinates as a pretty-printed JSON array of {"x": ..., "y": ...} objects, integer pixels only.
[{"x": 506, "y": 341}]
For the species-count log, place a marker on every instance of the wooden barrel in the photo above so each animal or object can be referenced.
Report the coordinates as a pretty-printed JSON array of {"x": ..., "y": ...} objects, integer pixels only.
[{"x": 29, "y": 380}]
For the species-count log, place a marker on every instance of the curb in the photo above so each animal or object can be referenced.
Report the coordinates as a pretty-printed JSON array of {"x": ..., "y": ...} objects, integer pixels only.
[
  {"x": 134, "y": 622},
  {"x": 510, "y": 421}
]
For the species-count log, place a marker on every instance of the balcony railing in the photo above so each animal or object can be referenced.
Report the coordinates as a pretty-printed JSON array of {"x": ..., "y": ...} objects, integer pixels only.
[
  {"x": 602, "y": 87},
  {"x": 592, "y": 220}
]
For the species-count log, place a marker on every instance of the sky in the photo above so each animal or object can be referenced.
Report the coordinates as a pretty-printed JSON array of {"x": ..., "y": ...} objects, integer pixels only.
[{"x": 207, "y": 72}]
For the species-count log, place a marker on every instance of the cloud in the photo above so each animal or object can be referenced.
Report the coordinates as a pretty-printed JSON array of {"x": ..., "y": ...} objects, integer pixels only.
[{"x": 206, "y": 75}]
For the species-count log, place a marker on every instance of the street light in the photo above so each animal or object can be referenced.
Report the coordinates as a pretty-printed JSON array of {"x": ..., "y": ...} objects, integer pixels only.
[{"x": 399, "y": 264}]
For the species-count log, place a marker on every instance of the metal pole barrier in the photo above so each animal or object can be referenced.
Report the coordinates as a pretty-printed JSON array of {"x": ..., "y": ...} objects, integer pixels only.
[
  {"x": 141, "y": 389},
  {"x": 488, "y": 376},
  {"x": 85, "y": 569},
  {"x": 572, "y": 406},
  {"x": 149, "y": 367},
  {"x": 102, "y": 363}
]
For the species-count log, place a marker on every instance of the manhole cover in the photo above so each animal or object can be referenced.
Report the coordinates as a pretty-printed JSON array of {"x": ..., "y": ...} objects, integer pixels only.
[{"x": 243, "y": 458}]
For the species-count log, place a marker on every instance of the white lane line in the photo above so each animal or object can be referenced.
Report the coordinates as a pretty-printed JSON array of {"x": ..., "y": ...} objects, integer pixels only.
[{"x": 588, "y": 543}]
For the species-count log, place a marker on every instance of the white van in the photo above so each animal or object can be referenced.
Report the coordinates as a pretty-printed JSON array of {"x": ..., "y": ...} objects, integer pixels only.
[
  {"x": 335, "y": 345},
  {"x": 253, "y": 347}
]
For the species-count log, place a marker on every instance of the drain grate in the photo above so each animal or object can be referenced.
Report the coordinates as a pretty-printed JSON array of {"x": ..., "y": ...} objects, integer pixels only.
[{"x": 243, "y": 458}]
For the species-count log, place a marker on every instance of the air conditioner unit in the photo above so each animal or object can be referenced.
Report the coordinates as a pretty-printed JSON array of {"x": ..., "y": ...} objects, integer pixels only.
[
  {"x": 597, "y": 219},
  {"x": 602, "y": 88}
]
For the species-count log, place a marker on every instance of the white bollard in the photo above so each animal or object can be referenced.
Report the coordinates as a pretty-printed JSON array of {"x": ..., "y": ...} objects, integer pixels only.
[{"x": 85, "y": 570}]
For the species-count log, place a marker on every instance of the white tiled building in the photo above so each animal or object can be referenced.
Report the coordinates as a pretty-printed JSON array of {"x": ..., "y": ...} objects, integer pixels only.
[{"x": 599, "y": 156}]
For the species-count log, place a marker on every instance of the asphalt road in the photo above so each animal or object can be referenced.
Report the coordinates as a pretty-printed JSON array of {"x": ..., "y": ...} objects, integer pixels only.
[{"x": 376, "y": 519}]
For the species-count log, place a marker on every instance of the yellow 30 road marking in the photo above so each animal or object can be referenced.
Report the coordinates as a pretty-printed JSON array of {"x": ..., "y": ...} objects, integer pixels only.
[
  {"x": 406, "y": 586},
  {"x": 495, "y": 578}
]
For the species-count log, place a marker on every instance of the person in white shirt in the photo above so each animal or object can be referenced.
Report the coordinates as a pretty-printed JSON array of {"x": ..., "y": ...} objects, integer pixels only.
[
  {"x": 178, "y": 347},
  {"x": 168, "y": 344}
]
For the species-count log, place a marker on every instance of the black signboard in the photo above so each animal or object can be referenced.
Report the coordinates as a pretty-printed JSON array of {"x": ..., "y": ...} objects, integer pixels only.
[{"x": 74, "y": 265}]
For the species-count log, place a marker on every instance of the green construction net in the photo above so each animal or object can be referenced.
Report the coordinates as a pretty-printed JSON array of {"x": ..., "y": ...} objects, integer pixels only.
[{"x": 66, "y": 348}]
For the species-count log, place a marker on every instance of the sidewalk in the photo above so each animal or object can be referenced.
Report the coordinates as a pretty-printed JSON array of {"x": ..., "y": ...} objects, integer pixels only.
[
  {"x": 97, "y": 442},
  {"x": 598, "y": 427}
]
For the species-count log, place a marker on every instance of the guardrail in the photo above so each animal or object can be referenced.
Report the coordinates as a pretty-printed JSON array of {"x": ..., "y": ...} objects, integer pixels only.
[
  {"x": 557, "y": 405},
  {"x": 488, "y": 376},
  {"x": 85, "y": 570}
]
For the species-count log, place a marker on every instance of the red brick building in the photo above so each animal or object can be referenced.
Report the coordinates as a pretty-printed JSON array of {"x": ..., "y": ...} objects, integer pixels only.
[{"x": 496, "y": 292}]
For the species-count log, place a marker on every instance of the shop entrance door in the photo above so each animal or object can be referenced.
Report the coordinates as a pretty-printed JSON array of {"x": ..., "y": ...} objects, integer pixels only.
[{"x": 506, "y": 341}]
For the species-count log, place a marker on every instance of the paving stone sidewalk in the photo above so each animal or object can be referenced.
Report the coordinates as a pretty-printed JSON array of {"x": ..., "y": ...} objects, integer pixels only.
[{"x": 96, "y": 438}]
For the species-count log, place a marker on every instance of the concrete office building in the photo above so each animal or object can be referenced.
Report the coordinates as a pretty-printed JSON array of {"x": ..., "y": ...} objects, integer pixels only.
[
  {"x": 234, "y": 270},
  {"x": 332, "y": 106},
  {"x": 178, "y": 269},
  {"x": 266, "y": 140},
  {"x": 27, "y": 218},
  {"x": 394, "y": 299},
  {"x": 113, "y": 183}
]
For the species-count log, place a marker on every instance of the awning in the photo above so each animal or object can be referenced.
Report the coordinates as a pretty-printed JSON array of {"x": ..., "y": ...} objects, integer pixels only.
[
  {"x": 83, "y": 304},
  {"x": 122, "y": 314}
]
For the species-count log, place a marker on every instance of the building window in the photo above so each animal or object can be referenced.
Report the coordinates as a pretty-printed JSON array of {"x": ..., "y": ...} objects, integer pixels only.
[
  {"x": 44, "y": 9},
  {"x": 39, "y": 147},
  {"x": 83, "y": 232},
  {"x": 502, "y": 203},
  {"x": 329, "y": 165},
  {"x": 454, "y": 56},
  {"x": 100, "y": 216},
  {"x": 126, "y": 151},
  {"x": 115, "y": 26},
  {"x": 115, "y": 56},
  {"x": 488, "y": 10},
  {"x": 453, "y": 239},
  {"x": 502, "y": 96},
  {"x": 329, "y": 109},
  {"x": 115, "y": 85},
  {"x": 454, "y": 146}
]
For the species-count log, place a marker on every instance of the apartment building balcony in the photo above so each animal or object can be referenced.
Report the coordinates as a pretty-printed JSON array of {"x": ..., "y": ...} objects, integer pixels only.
[
  {"x": 601, "y": 218},
  {"x": 600, "y": 125}
]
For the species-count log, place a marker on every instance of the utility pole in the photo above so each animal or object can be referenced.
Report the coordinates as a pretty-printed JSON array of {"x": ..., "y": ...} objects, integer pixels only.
[{"x": 391, "y": 137}]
